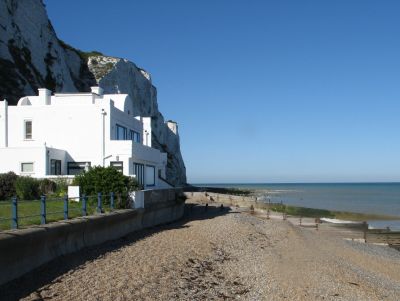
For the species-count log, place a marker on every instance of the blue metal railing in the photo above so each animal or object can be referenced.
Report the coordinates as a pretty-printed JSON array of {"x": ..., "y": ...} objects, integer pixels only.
[{"x": 88, "y": 206}]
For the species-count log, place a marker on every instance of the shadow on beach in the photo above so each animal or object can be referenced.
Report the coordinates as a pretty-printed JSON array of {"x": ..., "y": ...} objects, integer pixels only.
[{"x": 49, "y": 272}]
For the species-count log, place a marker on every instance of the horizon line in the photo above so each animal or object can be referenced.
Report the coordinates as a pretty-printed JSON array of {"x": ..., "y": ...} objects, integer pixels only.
[{"x": 259, "y": 183}]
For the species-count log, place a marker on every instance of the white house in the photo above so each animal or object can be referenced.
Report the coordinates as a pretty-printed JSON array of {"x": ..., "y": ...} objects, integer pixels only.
[{"x": 62, "y": 134}]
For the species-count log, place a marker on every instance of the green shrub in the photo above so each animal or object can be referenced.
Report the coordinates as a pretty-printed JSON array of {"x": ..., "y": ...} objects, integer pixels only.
[
  {"x": 105, "y": 180},
  {"x": 27, "y": 188},
  {"x": 7, "y": 185},
  {"x": 61, "y": 186},
  {"x": 47, "y": 186}
]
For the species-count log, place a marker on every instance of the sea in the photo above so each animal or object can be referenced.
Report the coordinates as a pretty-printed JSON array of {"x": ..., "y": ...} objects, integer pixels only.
[{"x": 372, "y": 198}]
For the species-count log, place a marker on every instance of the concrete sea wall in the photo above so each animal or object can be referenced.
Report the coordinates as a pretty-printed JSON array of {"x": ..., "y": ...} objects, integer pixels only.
[{"x": 24, "y": 250}]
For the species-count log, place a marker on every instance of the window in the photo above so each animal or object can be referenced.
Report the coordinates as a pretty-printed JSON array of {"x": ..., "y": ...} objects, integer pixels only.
[
  {"x": 28, "y": 129},
  {"x": 150, "y": 175},
  {"x": 138, "y": 171},
  {"x": 121, "y": 132},
  {"x": 75, "y": 168},
  {"x": 55, "y": 167},
  {"x": 118, "y": 165},
  {"x": 134, "y": 136},
  {"x": 27, "y": 167}
]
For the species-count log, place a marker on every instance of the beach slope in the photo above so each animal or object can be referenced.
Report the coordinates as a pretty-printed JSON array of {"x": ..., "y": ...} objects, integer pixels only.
[{"x": 219, "y": 255}]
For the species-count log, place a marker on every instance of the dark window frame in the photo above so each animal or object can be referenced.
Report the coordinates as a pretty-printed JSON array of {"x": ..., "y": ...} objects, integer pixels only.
[
  {"x": 138, "y": 171},
  {"x": 120, "y": 167},
  {"x": 77, "y": 167},
  {"x": 57, "y": 167},
  {"x": 134, "y": 136},
  {"x": 125, "y": 132},
  {"x": 27, "y": 163},
  {"x": 28, "y": 136}
]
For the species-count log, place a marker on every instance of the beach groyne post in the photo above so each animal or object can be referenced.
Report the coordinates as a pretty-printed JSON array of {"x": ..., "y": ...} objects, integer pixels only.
[
  {"x": 252, "y": 209},
  {"x": 14, "y": 213},
  {"x": 300, "y": 220},
  {"x": 365, "y": 229}
]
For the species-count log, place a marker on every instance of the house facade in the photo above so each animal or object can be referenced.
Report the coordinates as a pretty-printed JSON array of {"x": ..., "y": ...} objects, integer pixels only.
[{"x": 62, "y": 134}]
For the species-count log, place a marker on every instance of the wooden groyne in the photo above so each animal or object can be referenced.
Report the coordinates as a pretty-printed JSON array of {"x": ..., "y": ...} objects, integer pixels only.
[{"x": 392, "y": 238}]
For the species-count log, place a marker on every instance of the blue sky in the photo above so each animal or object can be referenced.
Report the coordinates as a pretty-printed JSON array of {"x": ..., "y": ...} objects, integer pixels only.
[{"x": 263, "y": 91}]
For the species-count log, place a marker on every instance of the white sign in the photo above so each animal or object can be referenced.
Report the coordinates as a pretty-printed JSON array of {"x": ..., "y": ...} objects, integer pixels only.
[{"x": 73, "y": 193}]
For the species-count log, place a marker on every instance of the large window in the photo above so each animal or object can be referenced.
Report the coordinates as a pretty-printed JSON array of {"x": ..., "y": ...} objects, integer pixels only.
[
  {"x": 138, "y": 171},
  {"x": 121, "y": 132},
  {"x": 75, "y": 168},
  {"x": 150, "y": 175},
  {"x": 27, "y": 167},
  {"x": 118, "y": 165},
  {"x": 134, "y": 136},
  {"x": 55, "y": 167},
  {"x": 27, "y": 129}
]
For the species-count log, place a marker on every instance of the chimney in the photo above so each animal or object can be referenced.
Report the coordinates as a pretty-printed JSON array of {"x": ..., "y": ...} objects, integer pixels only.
[
  {"x": 44, "y": 96},
  {"x": 97, "y": 90}
]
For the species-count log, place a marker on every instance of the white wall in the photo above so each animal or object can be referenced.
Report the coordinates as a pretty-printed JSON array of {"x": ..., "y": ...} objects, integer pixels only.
[
  {"x": 147, "y": 131},
  {"x": 11, "y": 159},
  {"x": 71, "y": 127},
  {"x": 3, "y": 123}
]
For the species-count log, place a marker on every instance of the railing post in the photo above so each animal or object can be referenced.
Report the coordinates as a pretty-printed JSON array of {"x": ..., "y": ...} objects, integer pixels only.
[
  {"x": 112, "y": 200},
  {"x": 84, "y": 205},
  {"x": 14, "y": 213},
  {"x": 66, "y": 206},
  {"x": 43, "y": 209},
  {"x": 99, "y": 203}
]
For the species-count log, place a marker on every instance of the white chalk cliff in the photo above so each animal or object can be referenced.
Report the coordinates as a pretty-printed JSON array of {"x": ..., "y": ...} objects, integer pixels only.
[{"x": 31, "y": 56}]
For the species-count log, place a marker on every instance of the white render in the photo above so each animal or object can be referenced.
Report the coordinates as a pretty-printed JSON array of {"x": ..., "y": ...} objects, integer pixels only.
[{"x": 77, "y": 127}]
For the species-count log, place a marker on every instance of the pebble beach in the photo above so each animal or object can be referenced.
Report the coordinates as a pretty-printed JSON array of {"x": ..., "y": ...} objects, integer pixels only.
[{"x": 227, "y": 254}]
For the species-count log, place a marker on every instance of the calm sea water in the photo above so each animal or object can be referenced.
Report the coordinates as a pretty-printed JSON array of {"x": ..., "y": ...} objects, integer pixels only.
[{"x": 378, "y": 198}]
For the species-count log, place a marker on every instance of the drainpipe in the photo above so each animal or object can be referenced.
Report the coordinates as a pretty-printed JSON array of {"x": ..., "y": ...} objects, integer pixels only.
[
  {"x": 147, "y": 137},
  {"x": 104, "y": 113}
]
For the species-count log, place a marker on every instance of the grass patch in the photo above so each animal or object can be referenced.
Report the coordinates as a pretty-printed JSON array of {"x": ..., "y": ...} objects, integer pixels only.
[{"x": 29, "y": 211}]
